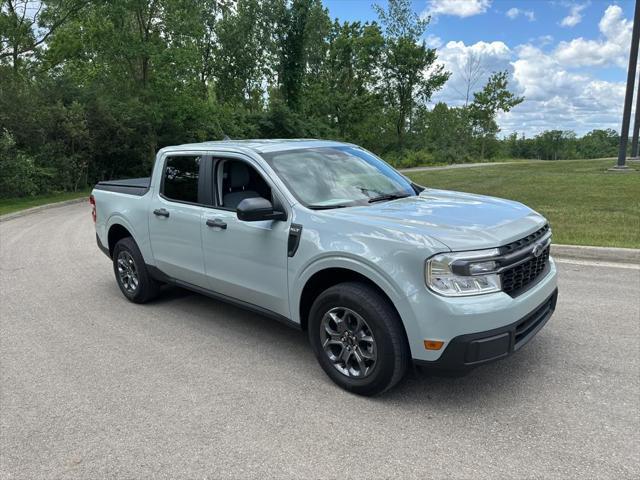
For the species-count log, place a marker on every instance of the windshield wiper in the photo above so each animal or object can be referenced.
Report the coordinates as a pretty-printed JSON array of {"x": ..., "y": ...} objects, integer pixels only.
[
  {"x": 327, "y": 207},
  {"x": 379, "y": 198},
  {"x": 388, "y": 196},
  {"x": 366, "y": 190}
]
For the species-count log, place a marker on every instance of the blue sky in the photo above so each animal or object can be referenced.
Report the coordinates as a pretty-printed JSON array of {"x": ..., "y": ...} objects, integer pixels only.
[{"x": 568, "y": 58}]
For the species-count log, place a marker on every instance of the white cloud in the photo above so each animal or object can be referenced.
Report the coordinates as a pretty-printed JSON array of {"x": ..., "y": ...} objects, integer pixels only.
[
  {"x": 542, "y": 40},
  {"x": 540, "y": 76},
  {"x": 545, "y": 40},
  {"x": 455, "y": 54},
  {"x": 514, "y": 13},
  {"x": 557, "y": 98},
  {"x": 611, "y": 49},
  {"x": 559, "y": 92},
  {"x": 486, "y": 57},
  {"x": 575, "y": 15},
  {"x": 458, "y": 8},
  {"x": 433, "y": 41}
]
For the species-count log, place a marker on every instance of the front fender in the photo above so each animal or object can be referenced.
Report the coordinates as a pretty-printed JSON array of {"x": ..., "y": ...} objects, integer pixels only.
[{"x": 398, "y": 297}]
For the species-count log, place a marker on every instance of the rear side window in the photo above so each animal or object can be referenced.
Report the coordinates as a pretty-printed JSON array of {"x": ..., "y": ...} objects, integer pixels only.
[{"x": 181, "y": 176}]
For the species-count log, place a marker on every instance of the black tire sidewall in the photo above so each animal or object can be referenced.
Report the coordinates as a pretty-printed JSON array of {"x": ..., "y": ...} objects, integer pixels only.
[
  {"x": 146, "y": 285},
  {"x": 384, "y": 324}
]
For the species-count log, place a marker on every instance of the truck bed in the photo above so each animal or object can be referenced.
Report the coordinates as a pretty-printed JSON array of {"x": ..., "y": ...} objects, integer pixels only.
[{"x": 130, "y": 186}]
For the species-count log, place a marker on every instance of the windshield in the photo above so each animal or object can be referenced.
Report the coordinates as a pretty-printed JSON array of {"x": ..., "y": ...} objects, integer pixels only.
[{"x": 333, "y": 177}]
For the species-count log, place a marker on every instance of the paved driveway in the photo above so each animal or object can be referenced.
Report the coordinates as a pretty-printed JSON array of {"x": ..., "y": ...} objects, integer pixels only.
[{"x": 187, "y": 387}]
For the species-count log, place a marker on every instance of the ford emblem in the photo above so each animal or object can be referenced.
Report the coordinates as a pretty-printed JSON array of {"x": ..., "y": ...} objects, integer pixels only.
[{"x": 537, "y": 250}]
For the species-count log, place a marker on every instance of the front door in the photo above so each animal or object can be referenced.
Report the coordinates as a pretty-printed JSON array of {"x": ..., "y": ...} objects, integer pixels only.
[
  {"x": 245, "y": 260},
  {"x": 175, "y": 220}
]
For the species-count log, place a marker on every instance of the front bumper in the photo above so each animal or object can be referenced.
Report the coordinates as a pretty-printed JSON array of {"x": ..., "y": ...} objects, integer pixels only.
[
  {"x": 467, "y": 351},
  {"x": 434, "y": 317}
]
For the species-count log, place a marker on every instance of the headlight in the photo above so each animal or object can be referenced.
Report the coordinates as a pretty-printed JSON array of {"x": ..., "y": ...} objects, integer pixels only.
[{"x": 478, "y": 277}]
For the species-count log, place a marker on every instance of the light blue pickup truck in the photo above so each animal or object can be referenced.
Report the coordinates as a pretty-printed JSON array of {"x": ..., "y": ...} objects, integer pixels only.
[{"x": 326, "y": 237}]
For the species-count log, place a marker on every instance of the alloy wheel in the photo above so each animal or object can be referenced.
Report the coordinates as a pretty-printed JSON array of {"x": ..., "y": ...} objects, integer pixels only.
[
  {"x": 127, "y": 272},
  {"x": 348, "y": 342}
]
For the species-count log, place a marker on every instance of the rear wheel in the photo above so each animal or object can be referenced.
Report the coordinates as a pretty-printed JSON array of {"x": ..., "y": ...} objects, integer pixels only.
[
  {"x": 131, "y": 272},
  {"x": 358, "y": 338}
]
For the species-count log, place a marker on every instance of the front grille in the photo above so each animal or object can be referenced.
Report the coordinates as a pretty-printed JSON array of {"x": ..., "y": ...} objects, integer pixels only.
[
  {"x": 526, "y": 241},
  {"x": 516, "y": 278}
]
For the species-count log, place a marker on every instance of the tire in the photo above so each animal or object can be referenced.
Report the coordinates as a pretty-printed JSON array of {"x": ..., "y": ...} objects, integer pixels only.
[
  {"x": 378, "y": 354},
  {"x": 141, "y": 289}
]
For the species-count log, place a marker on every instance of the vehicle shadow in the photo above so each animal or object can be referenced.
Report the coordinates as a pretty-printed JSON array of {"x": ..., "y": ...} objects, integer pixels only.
[
  {"x": 235, "y": 320},
  {"x": 509, "y": 379}
]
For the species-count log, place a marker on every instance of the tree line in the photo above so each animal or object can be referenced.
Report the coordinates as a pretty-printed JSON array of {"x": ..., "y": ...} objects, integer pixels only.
[{"x": 92, "y": 89}]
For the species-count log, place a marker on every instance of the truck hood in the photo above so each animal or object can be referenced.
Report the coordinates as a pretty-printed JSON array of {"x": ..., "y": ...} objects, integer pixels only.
[{"x": 461, "y": 221}]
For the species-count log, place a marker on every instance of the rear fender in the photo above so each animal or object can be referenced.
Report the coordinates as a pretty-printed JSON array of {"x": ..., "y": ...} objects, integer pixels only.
[{"x": 141, "y": 238}]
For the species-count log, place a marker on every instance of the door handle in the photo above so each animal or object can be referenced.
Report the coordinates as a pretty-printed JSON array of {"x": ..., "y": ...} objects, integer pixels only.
[
  {"x": 161, "y": 212},
  {"x": 216, "y": 223}
]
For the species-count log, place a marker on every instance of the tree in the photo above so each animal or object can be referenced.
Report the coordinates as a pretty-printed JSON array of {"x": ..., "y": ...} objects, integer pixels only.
[
  {"x": 210, "y": 12},
  {"x": 26, "y": 25},
  {"x": 93, "y": 92},
  {"x": 239, "y": 53},
  {"x": 18, "y": 172},
  {"x": 495, "y": 97},
  {"x": 409, "y": 70},
  {"x": 556, "y": 144},
  {"x": 448, "y": 133},
  {"x": 341, "y": 88},
  {"x": 292, "y": 52},
  {"x": 400, "y": 21},
  {"x": 471, "y": 73},
  {"x": 598, "y": 144}
]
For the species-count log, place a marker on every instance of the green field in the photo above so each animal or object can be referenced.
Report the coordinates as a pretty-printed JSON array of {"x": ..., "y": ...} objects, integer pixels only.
[
  {"x": 9, "y": 205},
  {"x": 585, "y": 204}
]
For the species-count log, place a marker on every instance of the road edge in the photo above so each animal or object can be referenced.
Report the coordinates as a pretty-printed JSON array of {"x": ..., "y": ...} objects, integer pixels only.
[
  {"x": 597, "y": 254},
  {"x": 577, "y": 252},
  {"x": 39, "y": 208}
]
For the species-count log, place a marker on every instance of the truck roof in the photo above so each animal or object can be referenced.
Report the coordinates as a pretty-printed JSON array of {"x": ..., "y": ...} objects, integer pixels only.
[{"x": 258, "y": 145}]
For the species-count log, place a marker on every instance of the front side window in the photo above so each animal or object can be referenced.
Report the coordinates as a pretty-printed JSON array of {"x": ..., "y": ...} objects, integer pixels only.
[
  {"x": 238, "y": 180},
  {"x": 180, "y": 181},
  {"x": 333, "y": 177}
]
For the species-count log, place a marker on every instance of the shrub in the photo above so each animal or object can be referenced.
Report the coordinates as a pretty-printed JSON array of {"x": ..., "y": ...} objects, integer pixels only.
[
  {"x": 18, "y": 171},
  {"x": 409, "y": 158}
]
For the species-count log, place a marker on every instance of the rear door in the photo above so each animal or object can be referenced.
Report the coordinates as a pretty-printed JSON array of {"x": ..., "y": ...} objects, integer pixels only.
[
  {"x": 176, "y": 216},
  {"x": 245, "y": 260}
]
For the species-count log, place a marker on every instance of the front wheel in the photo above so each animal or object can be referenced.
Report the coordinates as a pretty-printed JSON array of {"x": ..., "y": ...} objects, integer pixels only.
[
  {"x": 131, "y": 272},
  {"x": 358, "y": 338}
]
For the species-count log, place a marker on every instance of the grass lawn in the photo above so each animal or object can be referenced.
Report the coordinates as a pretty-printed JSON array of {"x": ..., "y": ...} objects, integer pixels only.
[
  {"x": 9, "y": 205},
  {"x": 584, "y": 204}
]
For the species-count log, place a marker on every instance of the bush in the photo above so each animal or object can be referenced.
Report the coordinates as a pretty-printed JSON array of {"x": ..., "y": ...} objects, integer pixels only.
[
  {"x": 18, "y": 171},
  {"x": 409, "y": 158}
]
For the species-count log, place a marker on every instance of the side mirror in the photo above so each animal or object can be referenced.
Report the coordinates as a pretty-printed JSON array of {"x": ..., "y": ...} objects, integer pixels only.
[{"x": 256, "y": 209}]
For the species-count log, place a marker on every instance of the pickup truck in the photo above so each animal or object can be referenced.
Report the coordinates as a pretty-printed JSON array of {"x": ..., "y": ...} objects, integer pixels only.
[{"x": 324, "y": 236}]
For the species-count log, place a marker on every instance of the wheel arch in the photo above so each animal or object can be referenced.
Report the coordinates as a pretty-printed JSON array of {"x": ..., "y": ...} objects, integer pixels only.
[
  {"x": 116, "y": 232},
  {"x": 329, "y": 276}
]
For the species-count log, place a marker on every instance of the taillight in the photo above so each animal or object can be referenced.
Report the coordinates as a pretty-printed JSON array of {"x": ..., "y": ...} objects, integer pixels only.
[{"x": 92, "y": 201}]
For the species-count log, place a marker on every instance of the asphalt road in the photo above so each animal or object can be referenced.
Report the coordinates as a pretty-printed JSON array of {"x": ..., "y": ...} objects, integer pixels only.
[{"x": 93, "y": 386}]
